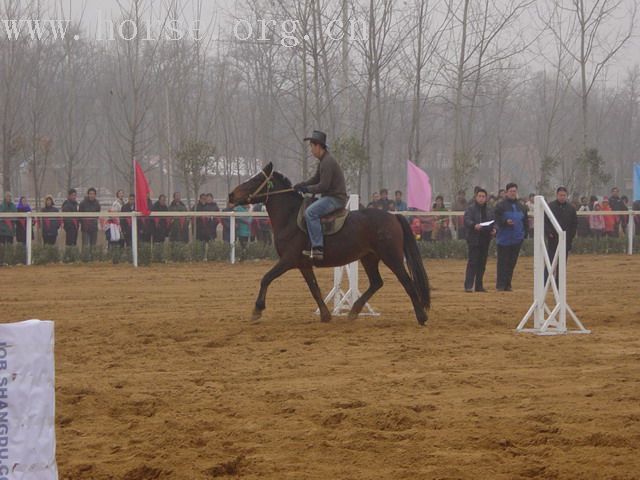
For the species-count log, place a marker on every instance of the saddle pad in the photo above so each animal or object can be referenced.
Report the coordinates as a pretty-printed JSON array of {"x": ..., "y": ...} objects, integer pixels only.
[{"x": 328, "y": 228}]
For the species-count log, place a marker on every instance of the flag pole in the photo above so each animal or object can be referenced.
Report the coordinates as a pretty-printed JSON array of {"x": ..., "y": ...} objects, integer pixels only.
[{"x": 134, "y": 222}]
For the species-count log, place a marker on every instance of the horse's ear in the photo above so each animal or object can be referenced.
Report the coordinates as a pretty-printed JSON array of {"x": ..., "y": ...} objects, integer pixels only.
[{"x": 268, "y": 169}]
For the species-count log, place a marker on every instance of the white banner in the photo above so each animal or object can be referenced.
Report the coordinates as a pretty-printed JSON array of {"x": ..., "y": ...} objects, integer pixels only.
[{"x": 27, "y": 402}]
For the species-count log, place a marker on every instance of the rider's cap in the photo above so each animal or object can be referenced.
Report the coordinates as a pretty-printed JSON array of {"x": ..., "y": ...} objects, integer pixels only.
[{"x": 318, "y": 137}]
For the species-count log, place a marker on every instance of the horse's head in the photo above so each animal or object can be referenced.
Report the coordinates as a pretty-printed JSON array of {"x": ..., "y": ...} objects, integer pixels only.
[{"x": 256, "y": 186}]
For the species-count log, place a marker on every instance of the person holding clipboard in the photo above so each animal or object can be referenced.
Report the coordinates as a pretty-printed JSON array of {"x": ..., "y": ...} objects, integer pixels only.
[{"x": 480, "y": 228}]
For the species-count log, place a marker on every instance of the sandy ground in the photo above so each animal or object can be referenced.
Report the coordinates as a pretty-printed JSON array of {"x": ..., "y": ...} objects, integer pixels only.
[{"x": 161, "y": 375}]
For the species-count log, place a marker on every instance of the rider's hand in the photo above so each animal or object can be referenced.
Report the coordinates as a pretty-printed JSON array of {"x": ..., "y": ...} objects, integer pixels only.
[{"x": 301, "y": 189}]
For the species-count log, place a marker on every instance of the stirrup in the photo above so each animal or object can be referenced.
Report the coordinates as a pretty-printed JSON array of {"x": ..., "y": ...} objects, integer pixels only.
[{"x": 314, "y": 253}]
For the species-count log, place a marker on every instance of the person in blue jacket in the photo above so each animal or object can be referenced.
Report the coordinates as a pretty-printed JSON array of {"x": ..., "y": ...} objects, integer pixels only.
[
  {"x": 511, "y": 222},
  {"x": 243, "y": 226}
]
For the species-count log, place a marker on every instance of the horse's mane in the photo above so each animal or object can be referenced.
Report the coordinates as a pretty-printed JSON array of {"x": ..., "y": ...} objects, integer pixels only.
[{"x": 286, "y": 182}]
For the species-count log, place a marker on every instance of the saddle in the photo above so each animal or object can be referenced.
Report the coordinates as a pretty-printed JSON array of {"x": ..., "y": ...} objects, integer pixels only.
[{"x": 331, "y": 224}]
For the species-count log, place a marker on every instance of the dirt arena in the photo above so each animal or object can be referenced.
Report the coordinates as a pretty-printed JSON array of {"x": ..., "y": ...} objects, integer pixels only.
[{"x": 161, "y": 375}]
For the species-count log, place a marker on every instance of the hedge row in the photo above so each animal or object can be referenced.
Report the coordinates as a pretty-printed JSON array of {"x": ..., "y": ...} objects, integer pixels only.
[{"x": 220, "y": 252}]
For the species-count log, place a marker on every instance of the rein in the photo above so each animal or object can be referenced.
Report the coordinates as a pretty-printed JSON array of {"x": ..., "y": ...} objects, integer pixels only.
[
  {"x": 275, "y": 192},
  {"x": 266, "y": 183}
]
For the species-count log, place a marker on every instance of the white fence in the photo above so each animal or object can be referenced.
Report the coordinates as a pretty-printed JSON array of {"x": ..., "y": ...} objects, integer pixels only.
[{"x": 232, "y": 216}]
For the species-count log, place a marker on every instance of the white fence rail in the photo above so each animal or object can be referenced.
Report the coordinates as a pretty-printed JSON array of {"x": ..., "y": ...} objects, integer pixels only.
[{"x": 232, "y": 216}]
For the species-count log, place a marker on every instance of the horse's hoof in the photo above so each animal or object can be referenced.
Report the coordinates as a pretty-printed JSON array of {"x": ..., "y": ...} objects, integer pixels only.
[
  {"x": 325, "y": 318},
  {"x": 256, "y": 315},
  {"x": 352, "y": 316}
]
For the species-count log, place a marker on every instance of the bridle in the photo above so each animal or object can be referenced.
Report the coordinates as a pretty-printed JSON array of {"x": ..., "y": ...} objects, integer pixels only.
[{"x": 267, "y": 182}]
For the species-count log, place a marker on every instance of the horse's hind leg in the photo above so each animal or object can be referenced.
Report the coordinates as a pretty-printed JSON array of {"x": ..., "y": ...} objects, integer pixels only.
[
  {"x": 370, "y": 264},
  {"x": 261, "y": 303},
  {"x": 396, "y": 265},
  {"x": 312, "y": 282}
]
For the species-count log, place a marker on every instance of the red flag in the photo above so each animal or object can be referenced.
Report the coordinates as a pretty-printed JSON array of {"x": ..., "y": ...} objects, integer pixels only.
[{"x": 142, "y": 190}]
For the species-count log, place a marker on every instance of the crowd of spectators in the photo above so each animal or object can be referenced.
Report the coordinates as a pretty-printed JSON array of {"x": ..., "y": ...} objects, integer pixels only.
[
  {"x": 117, "y": 231},
  {"x": 157, "y": 230}
]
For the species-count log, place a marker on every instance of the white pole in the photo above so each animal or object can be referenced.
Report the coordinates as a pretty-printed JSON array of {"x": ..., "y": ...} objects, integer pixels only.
[
  {"x": 354, "y": 280},
  {"x": 134, "y": 238},
  {"x": 232, "y": 237},
  {"x": 562, "y": 279},
  {"x": 29, "y": 233},
  {"x": 538, "y": 261},
  {"x": 630, "y": 233}
]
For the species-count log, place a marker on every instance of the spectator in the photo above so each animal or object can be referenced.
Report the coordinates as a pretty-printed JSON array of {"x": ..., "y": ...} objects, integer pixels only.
[
  {"x": 460, "y": 205},
  {"x": 416, "y": 228},
  {"x": 263, "y": 227},
  {"x": 401, "y": 205},
  {"x": 592, "y": 201},
  {"x": 624, "y": 219},
  {"x": 226, "y": 224},
  {"x": 636, "y": 218},
  {"x": 160, "y": 229},
  {"x": 596, "y": 222},
  {"x": 7, "y": 225},
  {"x": 511, "y": 222},
  {"x": 21, "y": 225},
  {"x": 583, "y": 221},
  {"x": 179, "y": 231},
  {"x": 203, "y": 233},
  {"x": 243, "y": 226},
  {"x": 71, "y": 225},
  {"x": 386, "y": 204},
  {"x": 427, "y": 228},
  {"x": 50, "y": 226},
  {"x": 375, "y": 201},
  {"x": 616, "y": 205},
  {"x": 212, "y": 222},
  {"x": 610, "y": 221},
  {"x": 531, "y": 204},
  {"x": 567, "y": 217},
  {"x": 113, "y": 233},
  {"x": 125, "y": 222},
  {"x": 441, "y": 230},
  {"x": 146, "y": 223},
  {"x": 478, "y": 240},
  {"x": 118, "y": 203},
  {"x": 501, "y": 195},
  {"x": 89, "y": 225}
]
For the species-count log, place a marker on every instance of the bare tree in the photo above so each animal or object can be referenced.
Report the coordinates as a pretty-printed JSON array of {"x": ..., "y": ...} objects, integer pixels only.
[
  {"x": 12, "y": 86},
  {"x": 133, "y": 61},
  {"x": 486, "y": 37},
  {"x": 593, "y": 44}
]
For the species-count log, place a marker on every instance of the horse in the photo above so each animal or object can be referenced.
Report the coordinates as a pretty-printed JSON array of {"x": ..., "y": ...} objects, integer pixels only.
[{"x": 368, "y": 235}]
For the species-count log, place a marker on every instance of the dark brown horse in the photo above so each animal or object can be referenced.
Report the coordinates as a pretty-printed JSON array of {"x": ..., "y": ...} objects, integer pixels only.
[{"x": 368, "y": 235}]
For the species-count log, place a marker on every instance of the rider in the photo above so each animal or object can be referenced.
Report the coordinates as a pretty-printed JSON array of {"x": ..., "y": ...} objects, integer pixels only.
[{"x": 329, "y": 182}]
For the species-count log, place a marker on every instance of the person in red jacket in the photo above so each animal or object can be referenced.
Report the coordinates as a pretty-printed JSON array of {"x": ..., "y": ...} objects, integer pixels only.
[{"x": 610, "y": 221}]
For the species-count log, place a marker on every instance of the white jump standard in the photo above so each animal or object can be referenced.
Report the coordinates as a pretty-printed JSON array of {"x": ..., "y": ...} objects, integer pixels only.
[{"x": 547, "y": 320}]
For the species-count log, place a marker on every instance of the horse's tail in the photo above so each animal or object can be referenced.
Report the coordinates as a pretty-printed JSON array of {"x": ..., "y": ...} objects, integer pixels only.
[{"x": 414, "y": 262}]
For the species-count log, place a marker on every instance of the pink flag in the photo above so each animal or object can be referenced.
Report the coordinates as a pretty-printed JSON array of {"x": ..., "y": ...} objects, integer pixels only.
[{"x": 418, "y": 188}]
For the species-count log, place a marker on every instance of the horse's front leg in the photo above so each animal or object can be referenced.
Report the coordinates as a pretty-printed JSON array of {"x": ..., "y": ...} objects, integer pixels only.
[
  {"x": 278, "y": 270},
  {"x": 312, "y": 282}
]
